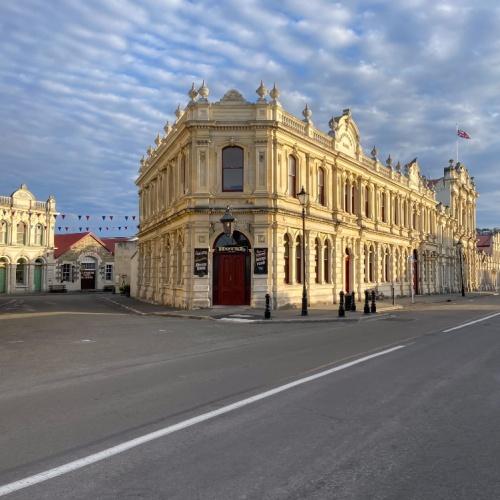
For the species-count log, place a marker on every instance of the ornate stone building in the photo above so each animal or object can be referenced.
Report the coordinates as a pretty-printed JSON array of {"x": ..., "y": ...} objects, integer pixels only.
[
  {"x": 368, "y": 224},
  {"x": 86, "y": 262},
  {"x": 26, "y": 242}
]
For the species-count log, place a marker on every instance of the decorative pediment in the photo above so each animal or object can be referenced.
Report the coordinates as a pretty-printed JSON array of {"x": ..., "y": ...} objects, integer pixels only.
[
  {"x": 23, "y": 196},
  {"x": 347, "y": 138},
  {"x": 233, "y": 96},
  {"x": 413, "y": 174}
]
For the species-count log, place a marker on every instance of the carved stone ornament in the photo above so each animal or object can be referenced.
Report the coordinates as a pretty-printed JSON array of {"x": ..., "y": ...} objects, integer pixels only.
[
  {"x": 388, "y": 162},
  {"x": 203, "y": 91},
  {"x": 274, "y": 93},
  {"x": 374, "y": 153},
  {"x": 193, "y": 93},
  {"x": 333, "y": 126},
  {"x": 261, "y": 92},
  {"x": 307, "y": 113},
  {"x": 157, "y": 139},
  {"x": 179, "y": 112},
  {"x": 167, "y": 128}
]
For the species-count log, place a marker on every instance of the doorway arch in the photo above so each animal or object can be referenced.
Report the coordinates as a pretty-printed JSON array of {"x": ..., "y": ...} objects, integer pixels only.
[
  {"x": 231, "y": 270},
  {"x": 415, "y": 272},
  {"x": 38, "y": 275},
  {"x": 347, "y": 270}
]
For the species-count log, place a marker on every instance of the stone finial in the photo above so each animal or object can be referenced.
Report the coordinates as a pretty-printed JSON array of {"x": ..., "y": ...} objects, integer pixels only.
[
  {"x": 374, "y": 153},
  {"x": 193, "y": 93},
  {"x": 261, "y": 92},
  {"x": 398, "y": 167},
  {"x": 450, "y": 162},
  {"x": 203, "y": 91},
  {"x": 150, "y": 151},
  {"x": 167, "y": 128},
  {"x": 274, "y": 93},
  {"x": 307, "y": 113},
  {"x": 157, "y": 139},
  {"x": 332, "y": 126},
  {"x": 179, "y": 112},
  {"x": 388, "y": 162}
]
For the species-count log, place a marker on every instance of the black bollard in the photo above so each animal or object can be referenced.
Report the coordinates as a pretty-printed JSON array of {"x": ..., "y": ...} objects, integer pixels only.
[
  {"x": 353, "y": 302},
  {"x": 347, "y": 301},
  {"x": 341, "y": 305},
  {"x": 267, "y": 312},
  {"x": 373, "y": 308},
  {"x": 366, "y": 309}
]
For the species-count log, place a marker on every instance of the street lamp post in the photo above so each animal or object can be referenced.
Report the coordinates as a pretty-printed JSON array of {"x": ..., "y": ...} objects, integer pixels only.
[
  {"x": 459, "y": 247},
  {"x": 303, "y": 197}
]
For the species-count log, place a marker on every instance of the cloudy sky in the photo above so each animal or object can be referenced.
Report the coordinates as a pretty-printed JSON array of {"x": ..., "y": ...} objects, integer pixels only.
[{"x": 86, "y": 85}]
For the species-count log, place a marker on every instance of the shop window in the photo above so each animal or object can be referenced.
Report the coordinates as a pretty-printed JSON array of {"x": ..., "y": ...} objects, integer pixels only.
[
  {"x": 66, "y": 272},
  {"x": 108, "y": 276}
]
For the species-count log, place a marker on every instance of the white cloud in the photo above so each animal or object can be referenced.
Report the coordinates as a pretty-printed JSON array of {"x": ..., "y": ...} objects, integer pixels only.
[{"x": 85, "y": 86}]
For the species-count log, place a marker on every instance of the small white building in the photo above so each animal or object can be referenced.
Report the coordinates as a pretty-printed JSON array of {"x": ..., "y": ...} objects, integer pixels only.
[
  {"x": 85, "y": 262},
  {"x": 26, "y": 242}
]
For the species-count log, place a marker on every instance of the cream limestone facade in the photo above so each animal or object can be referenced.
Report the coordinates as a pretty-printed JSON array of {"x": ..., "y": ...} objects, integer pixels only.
[
  {"x": 368, "y": 224},
  {"x": 488, "y": 259},
  {"x": 26, "y": 242}
]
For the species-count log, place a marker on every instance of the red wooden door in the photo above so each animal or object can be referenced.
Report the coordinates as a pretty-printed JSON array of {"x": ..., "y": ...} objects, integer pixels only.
[
  {"x": 231, "y": 283},
  {"x": 348, "y": 274},
  {"x": 415, "y": 275}
]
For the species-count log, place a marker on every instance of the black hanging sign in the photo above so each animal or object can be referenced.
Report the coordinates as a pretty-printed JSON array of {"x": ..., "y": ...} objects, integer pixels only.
[
  {"x": 200, "y": 261},
  {"x": 260, "y": 261}
]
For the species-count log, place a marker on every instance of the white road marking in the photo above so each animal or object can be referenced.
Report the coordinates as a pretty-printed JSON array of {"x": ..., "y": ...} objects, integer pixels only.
[
  {"x": 463, "y": 325},
  {"x": 133, "y": 443},
  {"x": 238, "y": 320}
]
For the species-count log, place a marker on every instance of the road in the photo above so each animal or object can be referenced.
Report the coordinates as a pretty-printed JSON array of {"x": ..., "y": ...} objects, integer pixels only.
[{"x": 417, "y": 419}]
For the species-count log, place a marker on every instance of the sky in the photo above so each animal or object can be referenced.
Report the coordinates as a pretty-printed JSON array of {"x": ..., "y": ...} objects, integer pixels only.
[{"x": 85, "y": 86}]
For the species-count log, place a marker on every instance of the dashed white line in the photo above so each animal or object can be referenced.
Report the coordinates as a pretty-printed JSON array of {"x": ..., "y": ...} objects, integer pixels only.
[
  {"x": 133, "y": 443},
  {"x": 469, "y": 323}
]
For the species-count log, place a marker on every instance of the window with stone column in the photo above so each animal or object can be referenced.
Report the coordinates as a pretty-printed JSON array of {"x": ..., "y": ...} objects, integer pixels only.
[
  {"x": 298, "y": 259},
  {"x": 286, "y": 258}
]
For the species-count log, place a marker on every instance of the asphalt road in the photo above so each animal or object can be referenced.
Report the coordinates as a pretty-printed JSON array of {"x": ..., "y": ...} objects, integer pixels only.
[{"x": 79, "y": 376}]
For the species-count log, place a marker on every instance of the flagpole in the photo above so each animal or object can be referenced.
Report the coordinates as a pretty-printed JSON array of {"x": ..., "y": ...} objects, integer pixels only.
[{"x": 456, "y": 134}]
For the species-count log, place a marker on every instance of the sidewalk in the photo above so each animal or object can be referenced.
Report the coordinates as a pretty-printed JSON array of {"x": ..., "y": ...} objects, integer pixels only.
[{"x": 246, "y": 314}]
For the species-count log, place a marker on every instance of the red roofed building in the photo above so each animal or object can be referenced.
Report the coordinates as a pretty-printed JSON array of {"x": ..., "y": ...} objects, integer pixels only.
[{"x": 85, "y": 261}]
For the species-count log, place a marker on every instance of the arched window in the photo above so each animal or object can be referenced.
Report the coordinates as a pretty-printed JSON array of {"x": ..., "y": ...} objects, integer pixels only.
[
  {"x": 39, "y": 234},
  {"x": 21, "y": 233},
  {"x": 387, "y": 265},
  {"x": 317, "y": 257},
  {"x": 321, "y": 186},
  {"x": 183, "y": 173},
  {"x": 179, "y": 264},
  {"x": 292, "y": 176},
  {"x": 286, "y": 243},
  {"x": 3, "y": 232},
  {"x": 371, "y": 264},
  {"x": 326, "y": 262},
  {"x": 367, "y": 202},
  {"x": 298, "y": 259},
  {"x": 21, "y": 272},
  {"x": 232, "y": 168}
]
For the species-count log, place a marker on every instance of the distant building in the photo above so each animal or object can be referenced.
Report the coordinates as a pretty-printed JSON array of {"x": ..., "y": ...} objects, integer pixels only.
[
  {"x": 368, "y": 224},
  {"x": 26, "y": 242},
  {"x": 85, "y": 261},
  {"x": 488, "y": 259},
  {"x": 124, "y": 254}
]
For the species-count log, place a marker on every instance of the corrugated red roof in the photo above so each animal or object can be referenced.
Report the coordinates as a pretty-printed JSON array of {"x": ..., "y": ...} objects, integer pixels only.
[
  {"x": 64, "y": 242},
  {"x": 484, "y": 240}
]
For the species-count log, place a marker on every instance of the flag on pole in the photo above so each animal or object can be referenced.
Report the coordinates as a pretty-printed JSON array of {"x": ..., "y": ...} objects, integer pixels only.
[{"x": 463, "y": 134}]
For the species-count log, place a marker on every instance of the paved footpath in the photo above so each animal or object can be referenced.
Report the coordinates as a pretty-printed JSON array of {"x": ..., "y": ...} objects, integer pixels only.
[{"x": 246, "y": 314}]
